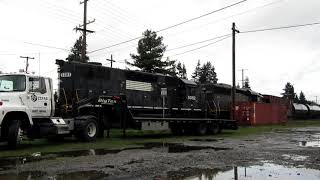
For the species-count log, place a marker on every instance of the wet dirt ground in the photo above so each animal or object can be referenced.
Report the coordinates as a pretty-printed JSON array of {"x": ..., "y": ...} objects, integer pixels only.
[{"x": 281, "y": 154}]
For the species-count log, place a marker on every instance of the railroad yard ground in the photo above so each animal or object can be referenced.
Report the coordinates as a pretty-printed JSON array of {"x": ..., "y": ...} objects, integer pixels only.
[{"x": 290, "y": 151}]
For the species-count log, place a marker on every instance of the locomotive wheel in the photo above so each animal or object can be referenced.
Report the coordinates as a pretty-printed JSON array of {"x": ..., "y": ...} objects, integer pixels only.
[
  {"x": 188, "y": 130},
  {"x": 220, "y": 129},
  {"x": 175, "y": 130},
  {"x": 214, "y": 128},
  {"x": 202, "y": 129}
]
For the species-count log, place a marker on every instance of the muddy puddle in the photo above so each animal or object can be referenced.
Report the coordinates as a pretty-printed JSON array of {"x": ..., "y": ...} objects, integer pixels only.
[
  {"x": 13, "y": 162},
  {"x": 7, "y": 163},
  {"x": 205, "y": 140},
  {"x": 312, "y": 141},
  {"x": 180, "y": 148},
  {"x": 38, "y": 175},
  {"x": 294, "y": 157},
  {"x": 259, "y": 172}
]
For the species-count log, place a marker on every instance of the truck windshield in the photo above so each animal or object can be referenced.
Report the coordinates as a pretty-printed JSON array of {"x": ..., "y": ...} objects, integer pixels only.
[{"x": 10, "y": 83}]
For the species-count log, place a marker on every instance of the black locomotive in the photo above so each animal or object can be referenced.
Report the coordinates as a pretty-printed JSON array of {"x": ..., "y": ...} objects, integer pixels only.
[{"x": 134, "y": 99}]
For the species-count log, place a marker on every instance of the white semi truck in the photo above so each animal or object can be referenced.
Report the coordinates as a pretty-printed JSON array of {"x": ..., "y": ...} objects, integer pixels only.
[{"x": 27, "y": 108}]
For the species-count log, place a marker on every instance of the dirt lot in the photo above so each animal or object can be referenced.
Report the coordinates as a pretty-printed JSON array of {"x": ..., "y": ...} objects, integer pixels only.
[{"x": 284, "y": 153}]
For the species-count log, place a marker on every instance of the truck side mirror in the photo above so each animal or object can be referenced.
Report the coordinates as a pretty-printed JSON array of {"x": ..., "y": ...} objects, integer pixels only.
[
  {"x": 42, "y": 86},
  {"x": 31, "y": 84}
]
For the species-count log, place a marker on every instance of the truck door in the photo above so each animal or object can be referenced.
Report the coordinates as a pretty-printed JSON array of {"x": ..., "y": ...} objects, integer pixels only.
[{"x": 39, "y": 98}]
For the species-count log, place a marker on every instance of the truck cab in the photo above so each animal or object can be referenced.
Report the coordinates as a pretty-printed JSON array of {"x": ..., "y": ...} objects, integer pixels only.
[{"x": 23, "y": 99}]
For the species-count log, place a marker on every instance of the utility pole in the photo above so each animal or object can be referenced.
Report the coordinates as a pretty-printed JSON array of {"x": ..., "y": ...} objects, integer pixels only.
[
  {"x": 233, "y": 91},
  {"x": 27, "y": 61},
  {"x": 111, "y": 60},
  {"x": 39, "y": 63},
  {"x": 84, "y": 31},
  {"x": 242, "y": 79},
  {"x": 316, "y": 99}
]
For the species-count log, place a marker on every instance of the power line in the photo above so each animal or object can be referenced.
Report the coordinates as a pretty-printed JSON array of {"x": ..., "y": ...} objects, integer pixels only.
[
  {"x": 191, "y": 50},
  {"x": 108, "y": 36},
  {"x": 107, "y": 30},
  {"x": 41, "y": 45},
  {"x": 172, "y": 26},
  {"x": 281, "y": 27},
  {"x": 72, "y": 14},
  {"x": 116, "y": 18},
  {"x": 225, "y": 18},
  {"x": 180, "y": 47},
  {"x": 49, "y": 71},
  {"x": 199, "y": 42},
  {"x": 200, "y": 47},
  {"x": 195, "y": 18},
  {"x": 14, "y": 53},
  {"x": 122, "y": 14},
  {"x": 58, "y": 11},
  {"x": 46, "y": 46},
  {"x": 105, "y": 10},
  {"x": 228, "y": 35},
  {"x": 61, "y": 9}
]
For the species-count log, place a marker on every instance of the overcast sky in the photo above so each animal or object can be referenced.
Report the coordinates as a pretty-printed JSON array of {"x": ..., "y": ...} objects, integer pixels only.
[{"x": 271, "y": 58}]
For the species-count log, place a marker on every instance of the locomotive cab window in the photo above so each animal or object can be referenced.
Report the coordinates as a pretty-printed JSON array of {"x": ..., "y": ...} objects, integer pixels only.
[{"x": 37, "y": 85}]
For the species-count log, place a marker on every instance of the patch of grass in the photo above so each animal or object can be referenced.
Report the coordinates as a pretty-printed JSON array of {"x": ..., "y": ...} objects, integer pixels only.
[
  {"x": 254, "y": 130},
  {"x": 137, "y": 138}
]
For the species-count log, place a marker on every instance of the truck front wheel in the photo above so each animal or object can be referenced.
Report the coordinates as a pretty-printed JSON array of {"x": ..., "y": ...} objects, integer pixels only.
[
  {"x": 14, "y": 134},
  {"x": 89, "y": 131}
]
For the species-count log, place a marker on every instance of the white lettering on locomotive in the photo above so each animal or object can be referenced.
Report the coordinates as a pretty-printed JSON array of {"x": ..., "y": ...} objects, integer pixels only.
[
  {"x": 106, "y": 101},
  {"x": 191, "y": 98}
]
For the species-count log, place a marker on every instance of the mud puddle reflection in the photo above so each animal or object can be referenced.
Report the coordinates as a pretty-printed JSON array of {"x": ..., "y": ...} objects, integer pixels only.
[
  {"x": 205, "y": 140},
  {"x": 312, "y": 141},
  {"x": 259, "y": 172},
  {"x": 13, "y": 162},
  {"x": 38, "y": 175},
  {"x": 180, "y": 148}
]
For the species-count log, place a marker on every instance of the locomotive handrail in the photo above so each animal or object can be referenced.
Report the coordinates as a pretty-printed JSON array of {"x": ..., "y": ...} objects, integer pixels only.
[
  {"x": 216, "y": 108},
  {"x": 178, "y": 119}
]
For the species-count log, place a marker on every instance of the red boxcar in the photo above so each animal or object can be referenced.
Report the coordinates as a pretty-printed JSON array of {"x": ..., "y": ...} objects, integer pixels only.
[{"x": 259, "y": 113}]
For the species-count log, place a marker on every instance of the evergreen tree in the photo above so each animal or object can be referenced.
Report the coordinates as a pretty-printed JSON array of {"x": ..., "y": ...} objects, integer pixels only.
[
  {"x": 75, "y": 54},
  {"x": 289, "y": 91},
  {"x": 184, "y": 70},
  {"x": 196, "y": 74},
  {"x": 296, "y": 99},
  {"x": 150, "y": 51},
  {"x": 171, "y": 68},
  {"x": 302, "y": 98},
  {"x": 181, "y": 71},
  {"x": 246, "y": 83},
  {"x": 208, "y": 74}
]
